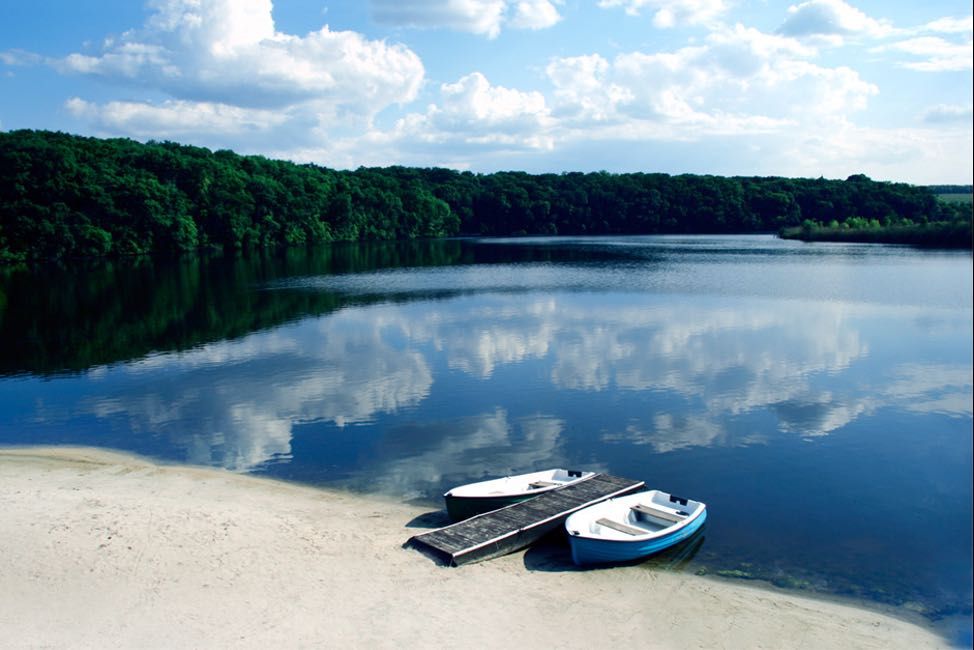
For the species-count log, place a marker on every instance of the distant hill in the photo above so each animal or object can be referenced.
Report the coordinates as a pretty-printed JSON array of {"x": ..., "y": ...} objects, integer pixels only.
[
  {"x": 951, "y": 189},
  {"x": 953, "y": 193}
]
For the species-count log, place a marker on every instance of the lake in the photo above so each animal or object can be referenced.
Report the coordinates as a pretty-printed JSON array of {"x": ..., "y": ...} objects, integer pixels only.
[{"x": 818, "y": 397}]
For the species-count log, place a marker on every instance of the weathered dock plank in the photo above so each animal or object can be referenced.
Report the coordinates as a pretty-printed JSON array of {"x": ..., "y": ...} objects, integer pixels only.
[{"x": 509, "y": 529}]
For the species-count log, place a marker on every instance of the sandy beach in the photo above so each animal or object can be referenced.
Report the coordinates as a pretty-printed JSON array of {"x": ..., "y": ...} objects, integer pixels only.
[{"x": 105, "y": 550}]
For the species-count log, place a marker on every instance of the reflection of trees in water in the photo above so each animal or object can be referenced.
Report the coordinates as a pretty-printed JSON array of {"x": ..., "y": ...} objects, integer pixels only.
[{"x": 70, "y": 319}]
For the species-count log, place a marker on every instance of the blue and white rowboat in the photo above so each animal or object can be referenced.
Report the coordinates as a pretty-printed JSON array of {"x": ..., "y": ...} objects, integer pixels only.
[{"x": 632, "y": 526}]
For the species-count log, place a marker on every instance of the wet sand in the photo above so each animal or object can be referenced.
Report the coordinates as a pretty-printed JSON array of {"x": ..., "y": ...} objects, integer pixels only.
[{"x": 99, "y": 550}]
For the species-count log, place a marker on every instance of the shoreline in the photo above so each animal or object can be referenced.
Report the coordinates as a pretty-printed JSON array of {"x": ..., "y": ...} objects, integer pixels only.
[{"x": 100, "y": 548}]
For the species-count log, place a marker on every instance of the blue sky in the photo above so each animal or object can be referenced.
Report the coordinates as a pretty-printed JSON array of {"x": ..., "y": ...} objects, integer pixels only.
[{"x": 731, "y": 87}]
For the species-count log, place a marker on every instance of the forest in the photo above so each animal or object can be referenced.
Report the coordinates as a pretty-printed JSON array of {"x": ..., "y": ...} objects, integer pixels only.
[{"x": 64, "y": 196}]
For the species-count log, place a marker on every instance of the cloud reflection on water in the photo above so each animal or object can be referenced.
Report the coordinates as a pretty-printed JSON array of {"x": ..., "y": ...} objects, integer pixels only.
[
  {"x": 933, "y": 388},
  {"x": 414, "y": 464},
  {"x": 236, "y": 403}
]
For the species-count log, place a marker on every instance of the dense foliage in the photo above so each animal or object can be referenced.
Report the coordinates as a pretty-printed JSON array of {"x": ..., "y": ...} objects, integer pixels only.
[
  {"x": 69, "y": 196},
  {"x": 940, "y": 234}
]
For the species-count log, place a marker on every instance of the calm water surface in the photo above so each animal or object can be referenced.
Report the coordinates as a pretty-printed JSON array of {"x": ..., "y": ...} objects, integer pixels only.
[{"x": 817, "y": 397}]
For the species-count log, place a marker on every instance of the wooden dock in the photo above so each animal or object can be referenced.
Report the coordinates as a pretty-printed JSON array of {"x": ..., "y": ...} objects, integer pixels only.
[{"x": 503, "y": 531}]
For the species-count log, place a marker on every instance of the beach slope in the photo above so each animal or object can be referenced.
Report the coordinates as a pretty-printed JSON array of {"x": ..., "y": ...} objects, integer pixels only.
[{"x": 105, "y": 550}]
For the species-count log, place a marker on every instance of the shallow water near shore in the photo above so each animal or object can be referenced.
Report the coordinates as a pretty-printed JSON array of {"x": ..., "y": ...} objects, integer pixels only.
[{"x": 817, "y": 397}]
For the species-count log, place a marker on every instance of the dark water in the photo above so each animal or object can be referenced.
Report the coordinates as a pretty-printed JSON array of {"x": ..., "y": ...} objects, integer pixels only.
[{"x": 817, "y": 397}]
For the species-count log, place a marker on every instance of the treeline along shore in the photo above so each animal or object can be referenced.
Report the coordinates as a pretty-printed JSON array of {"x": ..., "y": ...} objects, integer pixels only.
[{"x": 65, "y": 196}]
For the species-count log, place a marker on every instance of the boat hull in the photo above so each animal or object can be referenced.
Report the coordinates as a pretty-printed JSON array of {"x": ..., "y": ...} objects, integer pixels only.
[
  {"x": 460, "y": 508},
  {"x": 589, "y": 550}
]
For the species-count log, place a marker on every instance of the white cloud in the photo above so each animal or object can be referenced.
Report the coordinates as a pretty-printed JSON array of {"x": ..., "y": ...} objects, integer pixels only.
[
  {"x": 670, "y": 13},
  {"x": 534, "y": 14},
  {"x": 473, "y": 100},
  {"x": 473, "y": 112},
  {"x": 223, "y": 52},
  {"x": 937, "y": 54},
  {"x": 583, "y": 89},
  {"x": 831, "y": 19},
  {"x": 220, "y": 73},
  {"x": 127, "y": 60},
  {"x": 174, "y": 118},
  {"x": 476, "y": 16},
  {"x": 20, "y": 58},
  {"x": 923, "y": 155},
  {"x": 223, "y": 26},
  {"x": 951, "y": 25},
  {"x": 693, "y": 104},
  {"x": 739, "y": 80},
  {"x": 943, "y": 45},
  {"x": 948, "y": 113},
  {"x": 484, "y": 17}
]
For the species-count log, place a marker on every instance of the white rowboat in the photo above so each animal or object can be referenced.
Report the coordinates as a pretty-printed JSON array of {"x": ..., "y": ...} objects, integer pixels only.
[{"x": 465, "y": 501}]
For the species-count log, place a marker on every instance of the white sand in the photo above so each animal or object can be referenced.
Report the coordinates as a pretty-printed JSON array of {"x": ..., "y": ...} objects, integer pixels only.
[{"x": 101, "y": 550}]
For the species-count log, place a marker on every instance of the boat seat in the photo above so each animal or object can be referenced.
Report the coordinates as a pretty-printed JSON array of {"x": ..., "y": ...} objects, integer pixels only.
[
  {"x": 621, "y": 527},
  {"x": 652, "y": 511},
  {"x": 542, "y": 484}
]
